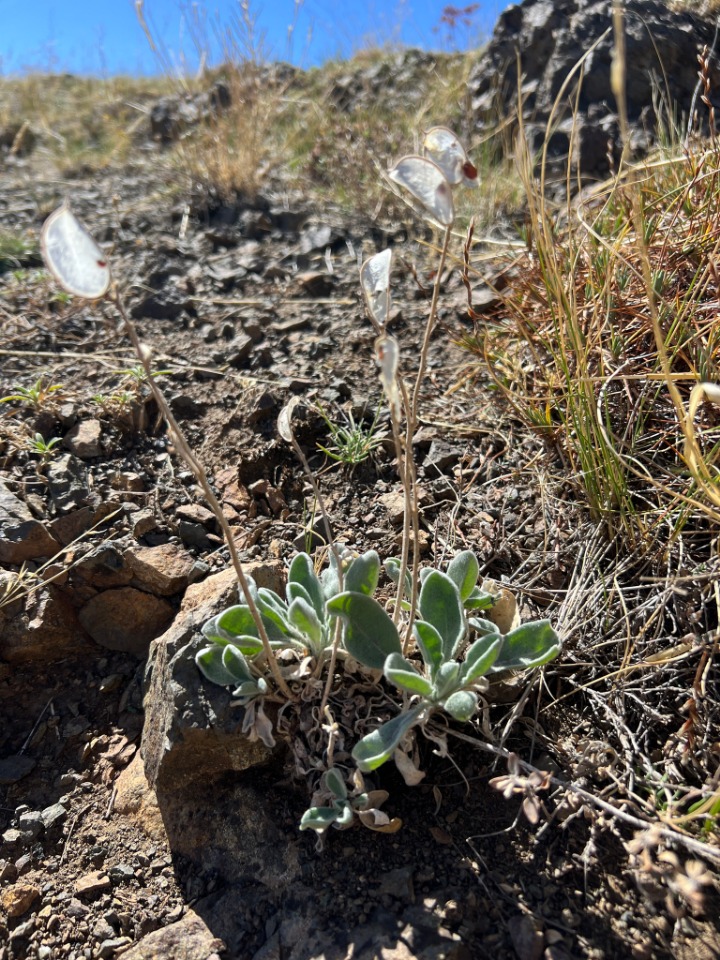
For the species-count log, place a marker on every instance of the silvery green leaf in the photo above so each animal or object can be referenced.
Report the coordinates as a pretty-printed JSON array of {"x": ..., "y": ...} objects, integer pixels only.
[
  {"x": 403, "y": 674},
  {"x": 293, "y": 591},
  {"x": 236, "y": 664},
  {"x": 302, "y": 572},
  {"x": 249, "y": 689},
  {"x": 375, "y": 283},
  {"x": 480, "y": 599},
  {"x": 446, "y": 679},
  {"x": 268, "y": 598},
  {"x": 330, "y": 578},
  {"x": 73, "y": 257},
  {"x": 377, "y": 747},
  {"x": 481, "y": 655},
  {"x": 335, "y": 783},
  {"x": 370, "y": 635},
  {"x": 428, "y": 184},
  {"x": 363, "y": 573},
  {"x": 429, "y": 644},
  {"x": 346, "y": 817},
  {"x": 303, "y": 616},
  {"x": 530, "y": 645},
  {"x": 212, "y": 631},
  {"x": 234, "y": 622},
  {"x": 440, "y": 605},
  {"x": 464, "y": 571},
  {"x": 319, "y": 818},
  {"x": 482, "y": 626},
  {"x": 461, "y": 705},
  {"x": 392, "y": 568},
  {"x": 210, "y": 662}
]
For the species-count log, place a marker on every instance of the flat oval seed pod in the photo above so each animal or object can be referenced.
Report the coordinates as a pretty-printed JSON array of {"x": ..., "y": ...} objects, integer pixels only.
[
  {"x": 442, "y": 146},
  {"x": 387, "y": 355},
  {"x": 284, "y": 421},
  {"x": 375, "y": 281},
  {"x": 73, "y": 257},
  {"x": 428, "y": 184}
]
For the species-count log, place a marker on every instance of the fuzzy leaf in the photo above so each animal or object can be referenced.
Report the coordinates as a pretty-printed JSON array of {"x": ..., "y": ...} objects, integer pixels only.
[
  {"x": 480, "y": 656},
  {"x": 403, "y": 674},
  {"x": 238, "y": 622},
  {"x": 464, "y": 571},
  {"x": 480, "y": 599},
  {"x": 461, "y": 705},
  {"x": 319, "y": 818},
  {"x": 482, "y": 626},
  {"x": 447, "y": 679},
  {"x": 530, "y": 645},
  {"x": 377, "y": 747},
  {"x": 363, "y": 573},
  {"x": 335, "y": 783},
  {"x": 440, "y": 606},
  {"x": 210, "y": 662},
  {"x": 302, "y": 572},
  {"x": 429, "y": 644},
  {"x": 392, "y": 568},
  {"x": 330, "y": 579},
  {"x": 293, "y": 591},
  {"x": 303, "y": 616},
  {"x": 236, "y": 664},
  {"x": 370, "y": 635}
]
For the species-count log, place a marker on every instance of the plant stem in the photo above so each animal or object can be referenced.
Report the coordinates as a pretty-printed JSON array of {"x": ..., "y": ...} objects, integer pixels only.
[{"x": 183, "y": 449}]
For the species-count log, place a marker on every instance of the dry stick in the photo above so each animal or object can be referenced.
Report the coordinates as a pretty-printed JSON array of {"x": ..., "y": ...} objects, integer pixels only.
[
  {"x": 698, "y": 848},
  {"x": 411, "y": 503},
  {"x": 199, "y": 472}
]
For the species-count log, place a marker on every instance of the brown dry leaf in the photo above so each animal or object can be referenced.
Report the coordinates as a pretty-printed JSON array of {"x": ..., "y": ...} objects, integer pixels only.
[{"x": 441, "y": 836}]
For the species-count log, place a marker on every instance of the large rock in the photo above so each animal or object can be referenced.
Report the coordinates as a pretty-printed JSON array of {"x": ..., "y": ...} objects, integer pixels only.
[
  {"x": 553, "y": 35},
  {"x": 191, "y": 732},
  {"x": 188, "y": 939},
  {"x": 127, "y": 619},
  {"x": 21, "y": 536},
  {"x": 162, "y": 570}
]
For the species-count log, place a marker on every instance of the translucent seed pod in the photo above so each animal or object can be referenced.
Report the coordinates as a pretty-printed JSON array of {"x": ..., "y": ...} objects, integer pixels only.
[
  {"x": 375, "y": 282},
  {"x": 73, "y": 257},
  {"x": 428, "y": 184},
  {"x": 442, "y": 147}
]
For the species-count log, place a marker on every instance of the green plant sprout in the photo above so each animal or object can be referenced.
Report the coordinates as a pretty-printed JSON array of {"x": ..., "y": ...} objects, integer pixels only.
[
  {"x": 137, "y": 376},
  {"x": 43, "y": 448},
  {"x": 352, "y": 442},
  {"x": 37, "y": 396}
]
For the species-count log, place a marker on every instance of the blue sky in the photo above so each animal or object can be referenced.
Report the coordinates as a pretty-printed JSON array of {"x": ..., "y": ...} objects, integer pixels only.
[{"x": 104, "y": 37}]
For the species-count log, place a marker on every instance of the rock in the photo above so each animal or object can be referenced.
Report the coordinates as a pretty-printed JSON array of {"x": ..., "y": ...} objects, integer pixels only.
[
  {"x": 161, "y": 570},
  {"x": 21, "y": 536},
  {"x": 110, "y": 946},
  {"x": 191, "y": 732},
  {"x": 18, "y": 899},
  {"x": 67, "y": 483},
  {"x": 47, "y": 630},
  {"x": 126, "y": 619},
  {"x": 553, "y": 35},
  {"x": 104, "y": 567},
  {"x": 31, "y": 823},
  {"x": 13, "y": 769},
  {"x": 72, "y": 525},
  {"x": 91, "y": 884},
  {"x": 314, "y": 283},
  {"x": 527, "y": 940},
  {"x": 189, "y": 938},
  {"x": 239, "y": 350},
  {"x": 84, "y": 439},
  {"x": 136, "y": 798},
  {"x": 53, "y": 816},
  {"x": 196, "y": 513}
]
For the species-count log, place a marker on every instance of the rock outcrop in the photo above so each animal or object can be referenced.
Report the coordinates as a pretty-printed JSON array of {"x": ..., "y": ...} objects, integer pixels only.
[{"x": 552, "y": 36}]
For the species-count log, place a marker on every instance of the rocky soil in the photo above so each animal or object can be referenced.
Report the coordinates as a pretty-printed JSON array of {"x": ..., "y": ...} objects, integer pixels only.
[{"x": 110, "y": 562}]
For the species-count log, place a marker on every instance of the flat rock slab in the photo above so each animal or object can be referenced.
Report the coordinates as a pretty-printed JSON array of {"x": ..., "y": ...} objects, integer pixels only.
[
  {"x": 126, "y": 619},
  {"x": 13, "y": 769}
]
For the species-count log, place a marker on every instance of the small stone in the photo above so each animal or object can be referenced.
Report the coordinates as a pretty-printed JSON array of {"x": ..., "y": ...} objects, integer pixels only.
[
  {"x": 13, "y": 837},
  {"x": 8, "y": 872},
  {"x": 162, "y": 570},
  {"x": 76, "y": 909},
  {"x": 84, "y": 440},
  {"x": 31, "y": 823},
  {"x": 121, "y": 873},
  {"x": 143, "y": 522},
  {"x": 21, "y": 536},
  {"x": 24, "y": 864},
  {"x": 23, "y": 931},
  {"x": 239, "y": 350},
  {"x": 93, "y": 883},
  {"x": 17, "y": 899}
]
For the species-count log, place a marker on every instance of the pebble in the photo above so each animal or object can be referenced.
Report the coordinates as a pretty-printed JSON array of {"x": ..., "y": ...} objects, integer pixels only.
[
  {"x": 92, "y": 883},
  {"x": 17, "y": 899}
]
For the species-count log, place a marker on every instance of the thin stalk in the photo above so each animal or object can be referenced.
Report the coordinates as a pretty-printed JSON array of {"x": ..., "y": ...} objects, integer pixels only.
[{"x": 183, "y": 448}]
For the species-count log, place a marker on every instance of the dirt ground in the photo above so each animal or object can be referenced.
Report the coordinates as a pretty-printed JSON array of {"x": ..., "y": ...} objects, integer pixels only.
[{"x": 244, "y": 307}]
